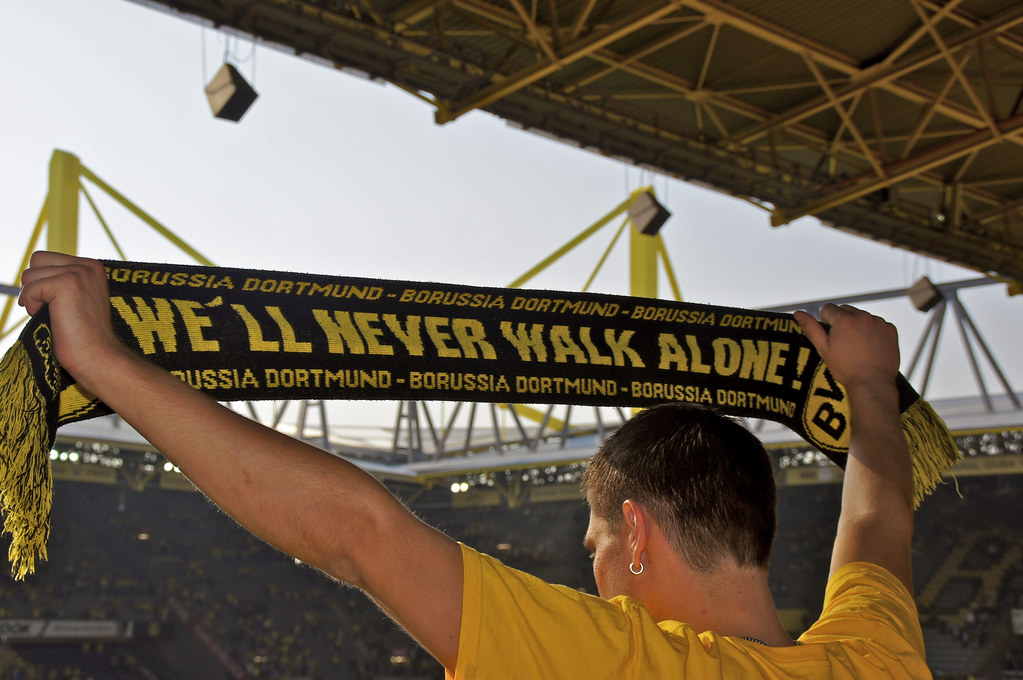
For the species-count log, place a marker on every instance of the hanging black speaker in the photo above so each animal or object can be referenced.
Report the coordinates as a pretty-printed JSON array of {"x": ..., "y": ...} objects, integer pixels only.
[
  {"x": 229, "y": 94},
  {"x": 647, "y": 214},
  {"x": 924, "y": 295}
]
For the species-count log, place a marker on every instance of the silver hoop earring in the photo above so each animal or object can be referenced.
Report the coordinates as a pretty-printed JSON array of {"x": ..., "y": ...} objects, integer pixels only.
[{"x": 634, "y": 571}]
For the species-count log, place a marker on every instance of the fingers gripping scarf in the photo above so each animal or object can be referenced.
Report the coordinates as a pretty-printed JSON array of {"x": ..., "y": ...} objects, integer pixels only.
[{"x": 249, "y": 335}]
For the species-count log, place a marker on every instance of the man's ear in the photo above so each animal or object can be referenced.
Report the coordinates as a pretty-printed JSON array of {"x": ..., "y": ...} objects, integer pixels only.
[{"x": 637, "y": 524}]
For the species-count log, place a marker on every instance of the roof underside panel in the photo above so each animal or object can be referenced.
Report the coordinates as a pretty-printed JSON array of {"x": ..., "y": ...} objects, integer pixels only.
[{"x": 898, "y": 121}]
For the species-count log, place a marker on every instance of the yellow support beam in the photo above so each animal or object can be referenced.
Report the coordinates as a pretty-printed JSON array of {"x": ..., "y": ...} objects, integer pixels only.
[
  {"x": 9, "y": 305},
  {"x": 669, "y": 270},
  {"x": 623, "y": 207},
  {"x": 573, "y": 242},
  {"x": 62, "y": 203},
  {"x": 145, "y": 217},
  {"x": 60, "y": 217},
  {"x": 643, "y": 252}
]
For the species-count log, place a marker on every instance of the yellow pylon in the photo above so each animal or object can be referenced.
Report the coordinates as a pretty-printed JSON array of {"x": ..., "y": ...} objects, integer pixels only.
[
  {"x": 59, "y": 216},
  {"x": 645, "y": 252}
]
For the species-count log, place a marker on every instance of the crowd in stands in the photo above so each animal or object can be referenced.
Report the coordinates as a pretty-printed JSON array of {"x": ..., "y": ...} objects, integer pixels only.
[
  {"x": 968, "y": 549},
  {"x": 149, "y": 556}
]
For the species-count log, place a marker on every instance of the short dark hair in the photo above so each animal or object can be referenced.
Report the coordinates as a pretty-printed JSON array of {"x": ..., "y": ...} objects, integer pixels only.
[{"x": 705, "y": 478}]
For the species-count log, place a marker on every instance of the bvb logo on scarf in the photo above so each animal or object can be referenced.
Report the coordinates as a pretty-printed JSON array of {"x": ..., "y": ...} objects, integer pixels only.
[{"x": 825, "y": 422}]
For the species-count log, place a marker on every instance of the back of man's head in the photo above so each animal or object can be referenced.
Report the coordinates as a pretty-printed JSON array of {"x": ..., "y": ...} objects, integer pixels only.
[{"x": 705, "y": 478}]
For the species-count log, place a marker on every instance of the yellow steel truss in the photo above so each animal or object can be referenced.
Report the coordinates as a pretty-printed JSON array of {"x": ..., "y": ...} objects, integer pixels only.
[
  {"x": 645, "y": 253},
  {"x": 59, "y": 215}
]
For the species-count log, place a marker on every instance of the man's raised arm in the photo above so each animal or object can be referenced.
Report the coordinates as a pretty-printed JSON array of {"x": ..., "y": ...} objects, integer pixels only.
[
  {"x": 304, "y": 501},
  {"x": 876, "y": 522}
]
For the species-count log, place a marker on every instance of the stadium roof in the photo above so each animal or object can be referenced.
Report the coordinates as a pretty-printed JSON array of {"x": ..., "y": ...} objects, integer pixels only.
[{"x": 898, "y": 121}]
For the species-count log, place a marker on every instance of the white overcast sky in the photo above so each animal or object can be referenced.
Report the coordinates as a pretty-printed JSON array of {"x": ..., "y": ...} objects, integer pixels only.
[{"x": 328, "y": 173}]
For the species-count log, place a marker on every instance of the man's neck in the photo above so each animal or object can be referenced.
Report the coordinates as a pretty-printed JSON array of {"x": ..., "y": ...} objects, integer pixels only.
[{"x": 731, "y": 601}]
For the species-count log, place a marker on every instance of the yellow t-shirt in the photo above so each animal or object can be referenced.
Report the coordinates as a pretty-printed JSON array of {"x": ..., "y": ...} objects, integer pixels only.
[{"x": 517, "y": 626}]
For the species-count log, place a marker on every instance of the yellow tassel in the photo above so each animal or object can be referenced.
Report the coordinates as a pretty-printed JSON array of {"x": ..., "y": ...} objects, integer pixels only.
[
  {"x": 26, "y": 483},
  {"x": 931, "y": 447}
]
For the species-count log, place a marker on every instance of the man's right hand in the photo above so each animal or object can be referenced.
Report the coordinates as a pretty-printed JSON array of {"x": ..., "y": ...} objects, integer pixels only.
[
  {"x": 859, "y": 347},
  {"x": 876, "y": 523}
]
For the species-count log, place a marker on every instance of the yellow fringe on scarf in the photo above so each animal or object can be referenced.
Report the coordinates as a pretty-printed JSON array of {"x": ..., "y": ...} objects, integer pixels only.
[
  {"x": 931, "y": 447},
  {"x": 26, "y": 483}
]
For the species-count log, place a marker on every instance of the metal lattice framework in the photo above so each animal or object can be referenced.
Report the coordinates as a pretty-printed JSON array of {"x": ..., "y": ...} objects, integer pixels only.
[{"x": 900, "y": 121}]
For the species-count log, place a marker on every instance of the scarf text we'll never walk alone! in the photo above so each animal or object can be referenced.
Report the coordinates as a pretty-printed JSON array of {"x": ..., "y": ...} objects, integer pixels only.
[{"x": 240, "y": 334}]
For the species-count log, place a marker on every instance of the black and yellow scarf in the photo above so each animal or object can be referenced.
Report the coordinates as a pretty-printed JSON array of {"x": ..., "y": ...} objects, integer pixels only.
[{"x": 249, "y": 334}]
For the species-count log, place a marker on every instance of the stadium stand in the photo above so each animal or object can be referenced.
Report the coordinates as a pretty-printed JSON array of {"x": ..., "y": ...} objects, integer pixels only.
[{"x": 206, "y": 600}]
